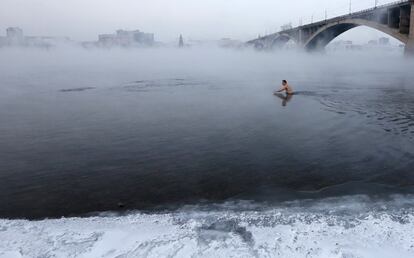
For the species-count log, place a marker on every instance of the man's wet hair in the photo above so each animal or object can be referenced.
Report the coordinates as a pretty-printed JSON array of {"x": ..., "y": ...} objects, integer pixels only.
[{"x": 284, "y": 81}]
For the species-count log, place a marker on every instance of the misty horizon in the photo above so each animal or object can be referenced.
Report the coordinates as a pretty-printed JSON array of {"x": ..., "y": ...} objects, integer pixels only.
[
  {"x": 192, "y": 128},
  {"x": 209, "y": 20}
]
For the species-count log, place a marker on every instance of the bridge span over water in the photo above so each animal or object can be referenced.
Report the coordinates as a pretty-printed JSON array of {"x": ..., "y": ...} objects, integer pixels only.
[{"x": 395, "y": 19}]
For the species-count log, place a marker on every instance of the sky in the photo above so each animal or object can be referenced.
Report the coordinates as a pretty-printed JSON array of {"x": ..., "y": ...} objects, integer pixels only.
[{"x": 167, "y": 19}]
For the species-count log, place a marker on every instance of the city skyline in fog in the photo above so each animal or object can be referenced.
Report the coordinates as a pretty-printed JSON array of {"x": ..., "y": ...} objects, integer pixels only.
[{"x": 204, "y": 20}]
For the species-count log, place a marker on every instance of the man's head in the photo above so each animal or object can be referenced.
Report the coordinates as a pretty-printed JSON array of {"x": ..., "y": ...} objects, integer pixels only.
[{"x": 284, "y": 82}]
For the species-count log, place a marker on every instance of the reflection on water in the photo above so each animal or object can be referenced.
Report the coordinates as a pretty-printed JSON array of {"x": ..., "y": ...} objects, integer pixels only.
[
  {"x": 284, "y": 97},
  {"x": 156, "y": 132}
]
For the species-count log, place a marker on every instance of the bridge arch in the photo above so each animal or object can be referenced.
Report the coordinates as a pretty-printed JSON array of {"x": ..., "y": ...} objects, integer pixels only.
[
  {"x": 281, "y": 40},
  {"x": 327, "y": 33},
  {"x": 274, "y": 41}
]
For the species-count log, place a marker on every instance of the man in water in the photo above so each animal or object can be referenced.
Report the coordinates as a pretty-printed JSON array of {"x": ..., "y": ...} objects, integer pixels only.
[{"x": 286, "y": 88}]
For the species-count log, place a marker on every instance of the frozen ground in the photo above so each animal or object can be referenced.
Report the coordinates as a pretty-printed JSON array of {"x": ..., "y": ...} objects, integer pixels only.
[{"x": 346, "y": 227}]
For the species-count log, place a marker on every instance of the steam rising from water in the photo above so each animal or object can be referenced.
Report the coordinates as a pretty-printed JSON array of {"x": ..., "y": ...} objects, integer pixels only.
[{"x": 349, "y": 130}]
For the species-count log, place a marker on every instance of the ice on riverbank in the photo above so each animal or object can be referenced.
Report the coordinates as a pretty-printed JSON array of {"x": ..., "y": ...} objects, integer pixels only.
[{"x": 345, "y": 229}]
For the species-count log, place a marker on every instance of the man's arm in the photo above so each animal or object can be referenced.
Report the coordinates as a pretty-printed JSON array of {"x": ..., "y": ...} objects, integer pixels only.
[{"x": 282, "y": 89}]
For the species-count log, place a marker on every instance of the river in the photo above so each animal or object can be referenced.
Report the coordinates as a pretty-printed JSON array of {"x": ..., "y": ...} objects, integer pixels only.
[{"x": 195, "y": 140}]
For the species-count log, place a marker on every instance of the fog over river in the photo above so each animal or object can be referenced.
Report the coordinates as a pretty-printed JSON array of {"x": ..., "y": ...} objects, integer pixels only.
[{"x": 168, "y": 152}]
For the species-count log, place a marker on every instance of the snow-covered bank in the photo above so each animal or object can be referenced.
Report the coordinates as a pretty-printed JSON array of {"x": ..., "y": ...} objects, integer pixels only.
[{"x": 332, "y": 228}]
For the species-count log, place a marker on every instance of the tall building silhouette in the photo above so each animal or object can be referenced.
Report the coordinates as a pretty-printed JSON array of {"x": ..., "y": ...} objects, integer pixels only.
[{"x": 181, "y": 42}]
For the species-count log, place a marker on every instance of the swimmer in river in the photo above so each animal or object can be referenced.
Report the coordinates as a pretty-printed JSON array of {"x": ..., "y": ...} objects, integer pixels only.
[{"x": 286, "y": 88}]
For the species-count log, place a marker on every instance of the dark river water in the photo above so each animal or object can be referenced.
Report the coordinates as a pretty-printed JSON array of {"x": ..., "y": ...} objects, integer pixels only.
[{"x": 84, "y": 132}]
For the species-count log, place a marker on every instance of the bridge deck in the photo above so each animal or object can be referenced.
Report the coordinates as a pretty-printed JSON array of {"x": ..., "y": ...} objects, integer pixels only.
[{"x": 339, "y": 18}]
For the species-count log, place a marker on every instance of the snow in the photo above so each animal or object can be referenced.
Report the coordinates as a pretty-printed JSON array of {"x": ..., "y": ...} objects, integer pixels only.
[{"x": 324, "y": 229}]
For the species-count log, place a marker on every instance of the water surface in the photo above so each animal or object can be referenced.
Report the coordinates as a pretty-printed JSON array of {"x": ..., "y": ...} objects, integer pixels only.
[{"x": 84, "y": 132}]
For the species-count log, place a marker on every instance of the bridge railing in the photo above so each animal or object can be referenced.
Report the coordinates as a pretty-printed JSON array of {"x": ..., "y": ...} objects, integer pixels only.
[
  {"x": 395, "y": 3},
  {"x": 365, "y": 11}
]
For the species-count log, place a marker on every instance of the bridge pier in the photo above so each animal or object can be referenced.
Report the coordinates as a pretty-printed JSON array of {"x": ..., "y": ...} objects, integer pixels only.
[{"x": 409, "y": 47}]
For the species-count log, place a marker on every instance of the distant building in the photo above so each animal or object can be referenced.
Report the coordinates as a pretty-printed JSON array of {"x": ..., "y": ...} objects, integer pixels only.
[
  {"x": 373, "y": 42},
  {"x": 107, "y": 40},
  {"x": 14, "y": 32},
  {"x": 181, "y": 42},
  {"x": 384, "y": 41},
  {"x": 15, "y": 36},
  {"x": 135, "y": 37},
  {"x": 343, "y": 45},
  {"x": 126, "y": 39},
  {"x": 383, "y": 44}
]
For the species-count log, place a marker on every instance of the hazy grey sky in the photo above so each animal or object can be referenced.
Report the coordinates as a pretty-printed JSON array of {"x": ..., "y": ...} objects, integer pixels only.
[{"x": 196, "y": 19}]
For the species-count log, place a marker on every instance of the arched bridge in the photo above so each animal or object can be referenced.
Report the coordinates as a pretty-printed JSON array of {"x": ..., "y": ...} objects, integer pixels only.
[{"x": 395, "y": 19}]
